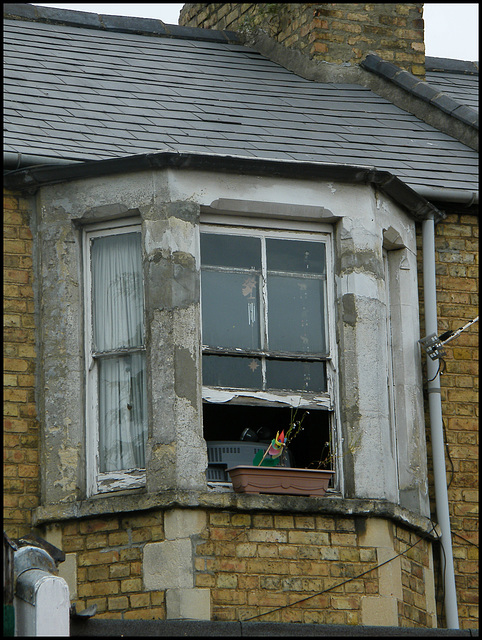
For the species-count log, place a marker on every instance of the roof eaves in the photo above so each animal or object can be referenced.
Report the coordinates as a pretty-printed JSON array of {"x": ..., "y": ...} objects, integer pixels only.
[
  {"x": 118, "y": 24},
  {"x": 420, "y": 89},
  {"x": 31, "y": 178}
]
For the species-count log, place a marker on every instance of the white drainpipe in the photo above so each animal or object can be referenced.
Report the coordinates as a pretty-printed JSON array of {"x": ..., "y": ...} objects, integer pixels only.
[{"x": 436, "y": 424}]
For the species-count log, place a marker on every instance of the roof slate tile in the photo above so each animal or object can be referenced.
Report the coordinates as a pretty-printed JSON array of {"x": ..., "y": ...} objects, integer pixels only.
[{"x": 195, "y": 90}]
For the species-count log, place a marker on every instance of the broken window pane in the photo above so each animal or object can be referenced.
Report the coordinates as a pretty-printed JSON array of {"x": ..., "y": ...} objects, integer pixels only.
[
  {"x": 230, "y": 309},
  {"x": 295, "y": 314},
  {"x": 234, "y": 372},
  {"x": 296, "y": 375},
  {"x": 266, "y": 294}
]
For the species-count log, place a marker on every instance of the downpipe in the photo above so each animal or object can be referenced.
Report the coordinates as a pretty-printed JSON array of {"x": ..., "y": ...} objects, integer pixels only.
[{"x": 436, "y": 425}]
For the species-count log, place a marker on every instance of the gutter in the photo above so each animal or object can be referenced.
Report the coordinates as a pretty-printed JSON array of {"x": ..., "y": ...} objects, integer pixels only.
[
  {"x": 19, "y": 178},
  {"x": 466, "y": 198},
  {"x": 32, "y": 178},
  {"x": 18, "y": 160},
  {"x": 436, "y": 425}
]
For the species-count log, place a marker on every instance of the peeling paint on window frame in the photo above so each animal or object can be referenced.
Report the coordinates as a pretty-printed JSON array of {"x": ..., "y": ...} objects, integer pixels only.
[{"x": 328, "y": 401}]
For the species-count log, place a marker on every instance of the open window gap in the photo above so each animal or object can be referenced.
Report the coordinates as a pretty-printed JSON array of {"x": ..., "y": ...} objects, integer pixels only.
[{"x": 231, "y": 424}]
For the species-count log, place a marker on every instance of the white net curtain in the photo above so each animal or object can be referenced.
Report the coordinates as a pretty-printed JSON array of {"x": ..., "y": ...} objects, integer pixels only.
[{"x": 118, "y": 326}]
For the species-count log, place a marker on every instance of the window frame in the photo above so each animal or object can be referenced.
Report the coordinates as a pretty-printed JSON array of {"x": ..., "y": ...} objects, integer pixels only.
[
  {"x": 98, "y": 482},
  {"x": 329, "y": 400}
]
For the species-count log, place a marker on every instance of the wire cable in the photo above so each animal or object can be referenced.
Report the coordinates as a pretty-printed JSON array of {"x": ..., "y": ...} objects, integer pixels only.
[
  {"x": 286, "y": 606},
  {"x": 441, "y": 361},
  {"x": 452, "y": 468}
]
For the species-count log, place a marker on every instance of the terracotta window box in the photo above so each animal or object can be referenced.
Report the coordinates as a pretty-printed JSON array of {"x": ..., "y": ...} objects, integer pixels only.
[{"x": 280, "y": 480}]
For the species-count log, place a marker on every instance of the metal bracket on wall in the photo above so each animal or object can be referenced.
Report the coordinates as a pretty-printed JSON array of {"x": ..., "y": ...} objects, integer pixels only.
[{"x": 433, "y": 346}]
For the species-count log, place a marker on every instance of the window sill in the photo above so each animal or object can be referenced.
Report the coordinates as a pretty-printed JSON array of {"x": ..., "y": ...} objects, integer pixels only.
[{"x": 139, "y": 500}]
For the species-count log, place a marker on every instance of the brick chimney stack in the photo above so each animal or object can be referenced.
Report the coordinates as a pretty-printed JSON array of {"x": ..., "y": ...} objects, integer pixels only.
[{"x": 337, "y": 33}]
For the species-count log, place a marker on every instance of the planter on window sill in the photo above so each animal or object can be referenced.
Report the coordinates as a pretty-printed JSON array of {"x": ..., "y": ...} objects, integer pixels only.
[{"x": 280, "y": 480}]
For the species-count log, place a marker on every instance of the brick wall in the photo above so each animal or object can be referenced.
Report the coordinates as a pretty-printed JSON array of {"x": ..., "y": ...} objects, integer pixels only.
[
  {"x": 21, "y": 430},
  {"x": 257, "y": 563},
  {"x": 254, "y": 564},
  {"x": 457, "y": 297},
  {"x": 105, "y": 557},
  {"x": 338, "y": 33}
]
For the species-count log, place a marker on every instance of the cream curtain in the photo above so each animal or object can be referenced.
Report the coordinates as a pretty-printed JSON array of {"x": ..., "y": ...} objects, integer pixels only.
[{"x": 118, "y": 324}]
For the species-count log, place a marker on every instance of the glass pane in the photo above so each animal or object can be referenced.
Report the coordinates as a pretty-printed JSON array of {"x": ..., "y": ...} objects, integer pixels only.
[
  {"x": 232, "y": 371},
  {"x": 295, "y": 255},
  {"x": 296, "y": 315},
  {"x": 117, "y": 292},
  {"x": 219, "y": 250},
  {"x": 122, "y": 412},
  {"x": 295, "y": 375},
  {"x": 230, "y": 309}
]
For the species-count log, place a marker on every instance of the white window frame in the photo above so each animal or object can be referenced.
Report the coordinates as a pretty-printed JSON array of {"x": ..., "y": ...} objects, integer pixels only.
[
  {"x": 289, "y": 230},
  {"x": 96, "y": 481},
  {"x": 391, "y": 376}
]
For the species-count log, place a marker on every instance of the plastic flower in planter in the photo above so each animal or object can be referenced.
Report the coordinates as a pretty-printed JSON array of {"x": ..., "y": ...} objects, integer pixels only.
[
  {"x": 274, "y": 451},
  {"x": 273, "y": 455}
]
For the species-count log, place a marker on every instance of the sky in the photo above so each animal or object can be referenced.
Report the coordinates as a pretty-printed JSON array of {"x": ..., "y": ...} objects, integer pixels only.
[{"x": 451, "y": 30}]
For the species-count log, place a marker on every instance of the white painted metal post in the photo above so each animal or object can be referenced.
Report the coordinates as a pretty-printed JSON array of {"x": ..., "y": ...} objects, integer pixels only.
[
  {"x": 436, "y": 424},
  {"x": 43, "y": 609},
  {"x": 42, "y": 602}
]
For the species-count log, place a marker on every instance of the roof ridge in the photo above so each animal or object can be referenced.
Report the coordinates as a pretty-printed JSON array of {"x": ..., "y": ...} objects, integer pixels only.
[
  {"x": 421, "y": 89},
  {"x": 451, "y": 65},
  {"x": 119, "y": 24}
]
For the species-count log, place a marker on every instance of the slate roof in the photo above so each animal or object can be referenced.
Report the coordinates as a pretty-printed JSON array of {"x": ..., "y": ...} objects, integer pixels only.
[
  {"x": 89, "y": 93},
  {"x": 457, "y": 78}
]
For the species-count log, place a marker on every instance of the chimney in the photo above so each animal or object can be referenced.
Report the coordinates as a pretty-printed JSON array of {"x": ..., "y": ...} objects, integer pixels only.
[{"x": 337, "y": 33}]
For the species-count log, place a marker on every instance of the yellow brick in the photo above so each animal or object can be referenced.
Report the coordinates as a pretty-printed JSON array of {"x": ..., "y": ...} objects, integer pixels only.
[
  {"x": 157, "y": 597},
  {"x": 204, "y": 580},
  {"x": 98, "y": 573},
  {"x": 304, "y": 522},
  {"x": 96, "y": 541},
  {"x": 98, "y": 589},
  {"x": 263, "y": 521},
  {"x": 118, "y": 538},
  {"x": 343, "y": 539},
  {"x": 283, "y": 522},
  {"x": 137, "y": 535},
  {"x": 119, "y": 570},
  {"x": 310, "y": 537},
  {"x": 240, "y": 520},
  {"x": 10, "y": 380},
  {"x": 121, "y": 602},
  {"x": 267, "y": 535},
  {"x": 98, "y": 557},
  {"x": 267, "y": 551},
  {"x": 349, "y": 555},
  {"x": 220, "y": 519},
  {"x": 246, "y": 549},
  {"x": 132, "y": 584},
  {"x": 90, "y": 526},
  {"x": 226, "y": 581},
  {"x": 14, "y": 246}
]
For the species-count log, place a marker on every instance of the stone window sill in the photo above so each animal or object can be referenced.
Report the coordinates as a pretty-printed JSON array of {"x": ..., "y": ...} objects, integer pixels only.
[{"x": 139, "y": 500}]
